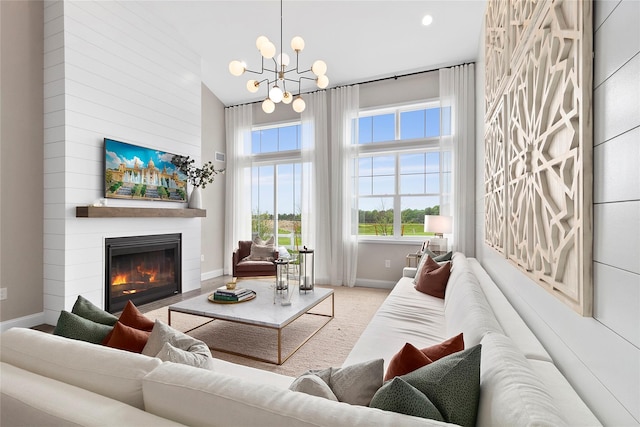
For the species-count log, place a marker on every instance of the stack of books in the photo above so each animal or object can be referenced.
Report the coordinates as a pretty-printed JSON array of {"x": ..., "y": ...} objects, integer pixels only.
[{"x": 233, "y": 295}]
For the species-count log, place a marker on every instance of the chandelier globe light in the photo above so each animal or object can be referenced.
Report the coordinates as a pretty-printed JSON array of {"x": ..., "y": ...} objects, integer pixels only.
[{"x": 276, "y": 78}]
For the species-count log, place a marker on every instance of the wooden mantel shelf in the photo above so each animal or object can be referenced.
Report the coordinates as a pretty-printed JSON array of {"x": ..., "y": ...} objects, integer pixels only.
[{"x": 121, "y": 212}]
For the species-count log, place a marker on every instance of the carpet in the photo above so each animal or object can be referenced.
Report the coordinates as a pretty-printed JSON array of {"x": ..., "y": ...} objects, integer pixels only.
[{"x": 354, "y": 308}]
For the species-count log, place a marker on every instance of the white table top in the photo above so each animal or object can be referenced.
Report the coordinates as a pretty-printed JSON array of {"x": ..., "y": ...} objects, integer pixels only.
[{"x": 260, "y": 310}]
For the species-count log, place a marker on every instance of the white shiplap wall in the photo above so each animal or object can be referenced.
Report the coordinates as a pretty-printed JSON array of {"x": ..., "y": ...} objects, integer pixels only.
[
  {"x": 600, "y": 355},
  {"x": 111, "y": 70}
]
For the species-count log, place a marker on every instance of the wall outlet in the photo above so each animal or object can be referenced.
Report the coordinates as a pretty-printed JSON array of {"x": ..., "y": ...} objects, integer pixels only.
[
  {"x": 202, "y": 258},
  {"x": 387, "y": 263},
  {"x": 3, "y": 294}
]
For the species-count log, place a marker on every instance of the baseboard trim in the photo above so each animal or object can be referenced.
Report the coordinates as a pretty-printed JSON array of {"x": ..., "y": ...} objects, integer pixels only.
[
  {"x": 23, "y": 322},
  {"x": 212, "y": 274},
  {"x": 380, "y": 284}
]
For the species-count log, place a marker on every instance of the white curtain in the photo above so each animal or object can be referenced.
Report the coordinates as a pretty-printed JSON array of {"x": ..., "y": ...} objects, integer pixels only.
[
  {"x": 457, "y": 92},
  {"x": 315, "y": 183},
  {"x": 344, "y": 214},
  {"x": 238, "y": 178}
]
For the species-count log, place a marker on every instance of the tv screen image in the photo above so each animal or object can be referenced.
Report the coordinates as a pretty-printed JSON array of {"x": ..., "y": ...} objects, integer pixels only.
[{"x": 140, "y": 173}]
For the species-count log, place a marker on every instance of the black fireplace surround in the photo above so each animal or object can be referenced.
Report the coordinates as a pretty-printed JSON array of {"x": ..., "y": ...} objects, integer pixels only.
[{"x": 142, "y": 269}]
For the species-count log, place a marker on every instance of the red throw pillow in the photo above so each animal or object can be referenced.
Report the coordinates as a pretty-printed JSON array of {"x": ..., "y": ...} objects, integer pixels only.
[
  {"x": 430, "y": 264},
  {"x": 409, "y": 358},
  {"x": 434, "y": 282},
  {"x": 445, "y": 348},
  {"x": 128, "y": 338},
  {"x": 132, "y": 317}
]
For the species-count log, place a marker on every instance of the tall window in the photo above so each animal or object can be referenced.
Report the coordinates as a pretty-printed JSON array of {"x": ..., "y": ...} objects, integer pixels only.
[
  {"x": 276, "y": 183},
  {"x": 402, "y": 171}
]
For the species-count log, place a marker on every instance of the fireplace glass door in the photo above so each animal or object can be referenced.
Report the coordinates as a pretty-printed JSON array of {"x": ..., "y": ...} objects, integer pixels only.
[{"x": 142, "y": 269}]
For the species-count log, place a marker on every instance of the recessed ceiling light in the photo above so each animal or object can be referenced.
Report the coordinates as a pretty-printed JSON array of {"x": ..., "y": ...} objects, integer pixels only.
[{"x": 427, "y": 20}]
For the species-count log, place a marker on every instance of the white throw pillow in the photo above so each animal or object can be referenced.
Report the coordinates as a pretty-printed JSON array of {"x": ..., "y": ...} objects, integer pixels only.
[
  {"x": 313, "y": 385},
  {"x": 354, "y": 384},
  {"x": 182, "y": 348}
]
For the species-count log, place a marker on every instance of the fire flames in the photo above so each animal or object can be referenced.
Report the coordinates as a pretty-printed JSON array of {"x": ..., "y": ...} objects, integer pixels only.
[{"x": 143, "y": 276}]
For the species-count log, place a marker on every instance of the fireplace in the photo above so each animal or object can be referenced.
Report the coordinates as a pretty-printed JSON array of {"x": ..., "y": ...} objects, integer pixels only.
[{"x": 142, "y": 269}]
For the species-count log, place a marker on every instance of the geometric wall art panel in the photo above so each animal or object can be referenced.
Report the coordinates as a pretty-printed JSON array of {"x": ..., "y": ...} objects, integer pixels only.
[
  {"x": 548, "y": 150},
  {"x": 494, "y": 180},
  {"x": 496, "y": 51}
]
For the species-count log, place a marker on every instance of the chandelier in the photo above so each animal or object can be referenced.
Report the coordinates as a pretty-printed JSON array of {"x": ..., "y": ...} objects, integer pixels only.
[{"x": 278, "y": 75}]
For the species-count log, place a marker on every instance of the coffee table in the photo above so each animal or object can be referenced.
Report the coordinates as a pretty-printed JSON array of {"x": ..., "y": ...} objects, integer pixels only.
[{"x": 260, "y": 311}]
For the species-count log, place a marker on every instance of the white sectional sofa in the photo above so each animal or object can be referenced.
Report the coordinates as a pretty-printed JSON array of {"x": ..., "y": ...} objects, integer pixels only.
[{"x": 50, "y": 380}]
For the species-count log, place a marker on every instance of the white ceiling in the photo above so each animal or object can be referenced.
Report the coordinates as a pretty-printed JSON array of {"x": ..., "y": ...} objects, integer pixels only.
[{"x": 359, "y": 40}]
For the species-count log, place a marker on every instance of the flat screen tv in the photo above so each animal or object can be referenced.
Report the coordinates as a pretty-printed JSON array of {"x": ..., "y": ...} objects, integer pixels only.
[{"x": 139, "y": 173}]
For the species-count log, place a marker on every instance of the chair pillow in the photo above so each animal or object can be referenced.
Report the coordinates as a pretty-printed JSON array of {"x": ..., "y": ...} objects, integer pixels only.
[
  {"x": 72, "y": 326},
  {"x": 261, "y": 253},
  {"x": 85, "y": 308},
  {"x": 434, "y": 282}
]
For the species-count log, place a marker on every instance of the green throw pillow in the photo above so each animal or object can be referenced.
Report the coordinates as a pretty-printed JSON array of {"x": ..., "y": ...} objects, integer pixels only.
[
  {"x": 452, "y": 384},
  {"x": 399, "y": 396},
  {"x": 78, "y": 328},
  {"x": 85, "y": 308}
]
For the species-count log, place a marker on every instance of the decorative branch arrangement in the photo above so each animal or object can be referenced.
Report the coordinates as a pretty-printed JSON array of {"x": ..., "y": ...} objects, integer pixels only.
[{"x": 198, "y": 177}]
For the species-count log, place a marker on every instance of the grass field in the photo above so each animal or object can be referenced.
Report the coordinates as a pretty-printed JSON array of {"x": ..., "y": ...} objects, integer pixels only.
[{"x": 377, "y": 230}]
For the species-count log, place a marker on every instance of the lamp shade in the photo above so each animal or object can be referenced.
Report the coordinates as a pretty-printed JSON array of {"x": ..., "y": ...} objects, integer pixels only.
[{"x": 438, "y": 224}]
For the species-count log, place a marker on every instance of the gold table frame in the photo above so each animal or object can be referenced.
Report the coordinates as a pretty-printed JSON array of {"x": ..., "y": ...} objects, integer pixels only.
[{"x": 198, "y": 309}]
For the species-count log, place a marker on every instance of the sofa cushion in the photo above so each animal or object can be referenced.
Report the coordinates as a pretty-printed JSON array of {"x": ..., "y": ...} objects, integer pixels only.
[
  {"x": 313, "y": 385},
  {"x": 107, "y": 371},
  {"x": 467, "y": 310},
  {"x": 452, "y": 384},
  {"x": 398, "y": 395},
  {"x": 409, "y": 358},
  {"x": 433, "y": 282},
  {"x": 181, "y": 347},
  {"x": 354, "y": 384},
  {"x": 426, "y": 263},
  {"x": 197, "y": 397},
  {"x": 85, "y": 308},
  {"x": 72, "y": 326},
  {"x": 29, "y": 399},
  {"x": 127, "y": 338},
  {"x": 512, "y": 394}
]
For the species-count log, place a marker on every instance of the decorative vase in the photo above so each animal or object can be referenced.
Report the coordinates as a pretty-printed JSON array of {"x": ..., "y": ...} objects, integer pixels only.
[{"x": 195, "y": 198}]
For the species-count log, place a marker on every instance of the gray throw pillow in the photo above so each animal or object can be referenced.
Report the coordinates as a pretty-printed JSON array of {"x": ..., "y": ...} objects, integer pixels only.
[
  {"x": 313, "y": 385},
  {"x": 399, "y": 396},
  {"x": 354, "y": 384},
  {"x": 85, "y": 308},
  {"x": 183, "y": 348},
  {"x": 261, "y": 252},
  {"x": 444, "y": 257},
  {"x": 72, "y": 326},
  {"x": 452, "y": 384}
]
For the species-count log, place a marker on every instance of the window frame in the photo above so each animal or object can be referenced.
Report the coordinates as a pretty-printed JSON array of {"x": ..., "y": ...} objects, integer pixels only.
[
  {"x": 398, "y": 147},
  {"x": 275, "y": 159}
]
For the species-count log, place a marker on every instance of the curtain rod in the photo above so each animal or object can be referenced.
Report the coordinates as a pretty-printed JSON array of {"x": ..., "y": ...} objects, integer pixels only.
[{"x": 394, "y": 77}]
